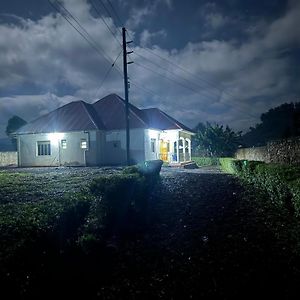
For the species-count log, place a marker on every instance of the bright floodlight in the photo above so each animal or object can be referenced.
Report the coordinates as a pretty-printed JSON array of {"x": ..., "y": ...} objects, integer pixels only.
[
  {"x": 153, "y": 133},
  {"x": 54, "y": 137}
]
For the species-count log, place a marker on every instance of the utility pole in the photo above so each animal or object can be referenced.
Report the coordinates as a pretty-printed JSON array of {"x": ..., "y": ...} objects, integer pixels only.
[{"x": 126, "y": 94}]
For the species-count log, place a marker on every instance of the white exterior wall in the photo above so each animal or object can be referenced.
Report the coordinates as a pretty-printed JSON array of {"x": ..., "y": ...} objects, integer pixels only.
[
  {"x": 104, "y": 148},
  {"x": 151, "y": 134},
  {"x": 115, "y": 146},
  {"x": 73, "y": 155},
  {"x": 95, "y": 155}
]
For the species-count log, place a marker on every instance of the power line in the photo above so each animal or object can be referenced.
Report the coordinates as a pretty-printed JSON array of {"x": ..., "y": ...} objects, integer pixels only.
[
  {"x": 106, "y": 74},
  {"x": 181, "y": 68},
  {"x": 221, "y": 90},
  {"x": 178, "y": 76},
  {"x": 108, "y": 12},
  {"x": 168, "y": 78},
  {"x": 86, "y": 35},
  {"x": 209, "y": 93},
  {"x": 213, "y": 85},
  {"x": 105, "y": 23},
  {"x": 116, "y": 13},
  {"x": 93, "y": 46}
]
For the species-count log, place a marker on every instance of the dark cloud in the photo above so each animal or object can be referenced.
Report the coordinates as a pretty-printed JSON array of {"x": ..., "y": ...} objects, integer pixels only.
[{"x": 45, "y": 63}]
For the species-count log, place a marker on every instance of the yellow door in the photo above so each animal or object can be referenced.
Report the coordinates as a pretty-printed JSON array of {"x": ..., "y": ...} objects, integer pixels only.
[{"x": 163, "y": 149}]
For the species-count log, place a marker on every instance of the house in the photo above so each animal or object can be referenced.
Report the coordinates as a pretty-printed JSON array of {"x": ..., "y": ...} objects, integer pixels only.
[{"x": 82, "y": 134}]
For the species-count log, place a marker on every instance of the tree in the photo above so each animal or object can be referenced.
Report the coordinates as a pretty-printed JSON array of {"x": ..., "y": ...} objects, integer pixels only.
[
  {"x": 215, "y": 140},
  {"x": 278, "y": 123},
  {"x": 13, "y": 124}
]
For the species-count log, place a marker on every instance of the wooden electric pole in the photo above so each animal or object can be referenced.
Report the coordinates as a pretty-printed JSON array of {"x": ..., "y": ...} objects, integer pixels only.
[{"x": 126, "y": 95}]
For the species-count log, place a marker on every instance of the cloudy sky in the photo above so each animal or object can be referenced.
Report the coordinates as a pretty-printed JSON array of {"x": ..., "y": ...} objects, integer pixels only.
[{"x": 198, "y": 60}]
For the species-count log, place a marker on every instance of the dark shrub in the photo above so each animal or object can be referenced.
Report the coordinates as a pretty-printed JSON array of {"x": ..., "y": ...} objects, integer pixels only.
[
  {"x": 281, "y": 183},
  {"x": 119, "y": 196}
]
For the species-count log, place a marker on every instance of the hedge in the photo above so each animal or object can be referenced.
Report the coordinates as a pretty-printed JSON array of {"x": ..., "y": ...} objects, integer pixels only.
[
  {"x": 202, "y": 161},
  {"x": 281, "y": 183},
  {"x": 52, "y": 221}
]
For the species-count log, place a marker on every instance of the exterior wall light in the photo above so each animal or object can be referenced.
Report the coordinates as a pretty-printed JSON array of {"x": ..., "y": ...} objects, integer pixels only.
[{"x": 54, "y": 137}]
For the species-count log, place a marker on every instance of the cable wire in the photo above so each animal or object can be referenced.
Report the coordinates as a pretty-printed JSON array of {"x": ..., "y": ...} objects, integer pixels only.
[
  {"x": 106, "y": 74},
  {"x": 105, "y": 23},
  {"x": 87, "y": 36},
  {"x": 116, "y": 13}
]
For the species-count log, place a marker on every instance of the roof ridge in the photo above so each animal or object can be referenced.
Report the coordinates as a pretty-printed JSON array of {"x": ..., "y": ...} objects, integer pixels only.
[
  {"x": 122, "y": 100},
  {"x": 91, "y": 118}
]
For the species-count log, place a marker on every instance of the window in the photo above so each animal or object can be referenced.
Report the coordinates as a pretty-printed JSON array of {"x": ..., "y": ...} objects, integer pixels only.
[
  {"x": 43, "y": 148},
  {"x": 63, "y": 144},
  {"x": 153, "y": 145},
  {"x": 83, "y": 144}
]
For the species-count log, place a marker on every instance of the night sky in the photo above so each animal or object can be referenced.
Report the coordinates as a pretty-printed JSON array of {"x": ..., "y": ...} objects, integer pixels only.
[{"x": 225, "y": 61}]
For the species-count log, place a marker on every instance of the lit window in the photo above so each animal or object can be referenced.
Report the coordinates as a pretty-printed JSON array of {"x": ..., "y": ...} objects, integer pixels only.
[
  {"x": 83, "y": 144},
  {"x": 63, "y": 144},
  {"x": 153, "y": 144},
  {"x": 43, "y": 148}
]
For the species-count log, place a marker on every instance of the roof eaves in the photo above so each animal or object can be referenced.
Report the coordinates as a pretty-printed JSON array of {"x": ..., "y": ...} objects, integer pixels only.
[{"x": 175, "y": 121}]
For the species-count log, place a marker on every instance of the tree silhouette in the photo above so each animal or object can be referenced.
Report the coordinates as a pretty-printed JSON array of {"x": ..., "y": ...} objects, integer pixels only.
[
  {"x": 278, "y": 123},
  {"x": 215, "y": 140},
  {"x": 13, "y": 124}
]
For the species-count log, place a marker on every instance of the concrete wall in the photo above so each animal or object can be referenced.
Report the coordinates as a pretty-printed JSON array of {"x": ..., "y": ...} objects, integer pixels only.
[
  {"x": 73, "y": 155},
  {"x": 9, "y": 158},
  {"x": 281, "y": 152},
  {"x": 255, "y": 153},
  {"x": 285, "y": 151}
]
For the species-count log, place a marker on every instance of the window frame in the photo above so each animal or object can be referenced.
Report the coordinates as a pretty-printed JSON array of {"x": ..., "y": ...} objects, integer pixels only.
[
  {"x": 153, "y": 145},
  {"x": 82, "y": 142},
  {"x": 43, "y": 148},
  {"x": 63, "y": 144}
]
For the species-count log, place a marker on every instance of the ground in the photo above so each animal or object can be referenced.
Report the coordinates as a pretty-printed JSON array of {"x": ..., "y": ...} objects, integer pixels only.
[{"x": 204, "y": 238}]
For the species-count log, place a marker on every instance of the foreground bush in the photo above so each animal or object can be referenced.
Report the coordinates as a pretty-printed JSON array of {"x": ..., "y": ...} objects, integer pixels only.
[
  {"x": 50, "y": 222},
  {"x": 120, "y": 204},
  {"x": 119, "y": 198},
  {"x": 281, "y": 183}
]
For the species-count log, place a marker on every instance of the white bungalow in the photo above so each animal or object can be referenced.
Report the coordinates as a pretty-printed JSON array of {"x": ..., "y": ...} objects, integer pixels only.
[{"x": 82, "y": 134}]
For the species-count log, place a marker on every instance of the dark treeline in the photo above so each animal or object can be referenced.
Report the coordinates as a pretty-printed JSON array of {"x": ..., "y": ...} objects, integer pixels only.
[{"x": 280, "y": 122}]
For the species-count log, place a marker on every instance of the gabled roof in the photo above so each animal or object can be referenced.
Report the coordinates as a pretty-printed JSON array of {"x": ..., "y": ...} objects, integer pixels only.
[{"x": 107, "y": 113}]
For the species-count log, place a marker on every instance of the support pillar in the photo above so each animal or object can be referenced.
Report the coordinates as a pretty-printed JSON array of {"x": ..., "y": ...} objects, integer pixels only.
[{"x": 189, "y": 149}]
